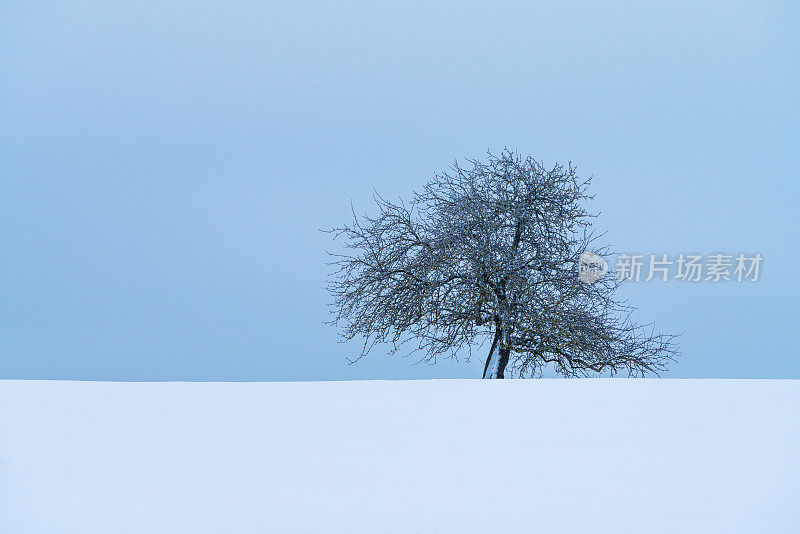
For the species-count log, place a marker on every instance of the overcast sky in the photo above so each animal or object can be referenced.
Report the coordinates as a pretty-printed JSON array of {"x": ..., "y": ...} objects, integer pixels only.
[{"x": 165, "y": 167}]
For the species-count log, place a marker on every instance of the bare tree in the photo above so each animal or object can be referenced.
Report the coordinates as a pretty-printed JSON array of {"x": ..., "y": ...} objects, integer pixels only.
[{"x": 489, "y": 254}]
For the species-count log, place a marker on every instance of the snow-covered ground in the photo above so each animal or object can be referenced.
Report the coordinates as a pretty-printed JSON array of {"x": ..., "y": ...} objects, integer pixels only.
[{"x": 457, "y": 456}]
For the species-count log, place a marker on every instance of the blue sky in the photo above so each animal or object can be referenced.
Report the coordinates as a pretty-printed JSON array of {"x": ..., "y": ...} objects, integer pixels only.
[{"x": 165, "y": 167}]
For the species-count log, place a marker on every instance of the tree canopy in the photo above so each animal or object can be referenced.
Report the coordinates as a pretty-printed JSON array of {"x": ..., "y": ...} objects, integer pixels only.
[{"x": 488, "y": 253}]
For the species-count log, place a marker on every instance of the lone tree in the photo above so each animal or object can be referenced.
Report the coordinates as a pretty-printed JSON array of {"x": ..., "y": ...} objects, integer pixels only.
[{"x": 489, "y": 253}]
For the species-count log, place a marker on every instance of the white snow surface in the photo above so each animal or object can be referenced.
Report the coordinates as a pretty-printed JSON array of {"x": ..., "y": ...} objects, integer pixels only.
[{"x": 458, "y": 456}]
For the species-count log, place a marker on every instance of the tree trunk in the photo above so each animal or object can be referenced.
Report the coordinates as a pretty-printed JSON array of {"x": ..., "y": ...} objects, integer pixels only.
[
  {"x": 491, "y": 353},
  {"x": 498, "y": 370},
  {"x": 505, "y": 352}
]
